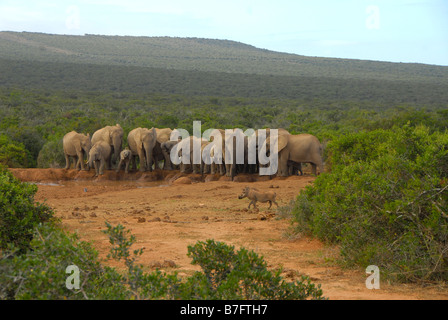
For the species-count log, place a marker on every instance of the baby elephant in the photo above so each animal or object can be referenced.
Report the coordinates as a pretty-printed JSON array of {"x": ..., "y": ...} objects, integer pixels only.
[
  {"x": 254, "y": 195},
  {"x": 125, "y": 157}
]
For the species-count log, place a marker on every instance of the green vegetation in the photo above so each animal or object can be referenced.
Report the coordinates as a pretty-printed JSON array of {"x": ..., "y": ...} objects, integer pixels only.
[
  {"x": 35, "y": 255},
  {"x": 383, "y": 199},
  {"x": 198, "y": 67},
  {"x": 384, "y": 203},
  {"x": 19, "y": 215}
]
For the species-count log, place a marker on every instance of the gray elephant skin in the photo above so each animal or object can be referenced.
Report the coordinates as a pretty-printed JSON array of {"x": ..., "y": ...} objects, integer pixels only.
[
  {"x": 182, "y": 146},
  {"x": 166, "y": 147},
  {"x": 125, "y": 158},
  {"x": 99, "y": 157},
  {"x": 300, "y": 148},
  {"x": 113, "y": 135},
  {"x": 77, "y": 146},
  {"x": 163, "y": 135},
  {"x": 141, "y": 142}
]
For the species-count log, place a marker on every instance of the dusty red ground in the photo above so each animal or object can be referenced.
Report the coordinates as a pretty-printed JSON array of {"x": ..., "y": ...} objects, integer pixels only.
[{"x": 167, "y": 212}]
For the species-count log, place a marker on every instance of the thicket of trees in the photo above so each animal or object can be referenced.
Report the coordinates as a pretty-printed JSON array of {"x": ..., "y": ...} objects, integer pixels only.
[
  {"x": 35, "y": 121},
  {"x": 384, "y": 202}
]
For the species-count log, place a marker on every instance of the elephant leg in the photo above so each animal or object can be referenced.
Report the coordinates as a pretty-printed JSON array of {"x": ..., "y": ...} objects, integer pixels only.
[
  {"x": 290, "y": 170},
  {"x": 67, "y": 161},
  {"x": 79, "y": 163},
  {"x": 119, "y": 165},
  {"x": 299, "y": 169},
  {"x": 196, "y": 168},
  {"x": 313, "y": 169},
  {"x": 228, "y": 170},
  {"x": 233, "y": 171},
  {"x": 134, "y": 163},
  {"x": 95, "y": 164},
  {"x": 75, "y": 161},
  {"x": 109, "y": 163},
  {"x": 103, "y": 163},
  {"x": 126, "y": 170},
  {"x": 282, "y": 167},
  {"x": 142, "y": 161}
]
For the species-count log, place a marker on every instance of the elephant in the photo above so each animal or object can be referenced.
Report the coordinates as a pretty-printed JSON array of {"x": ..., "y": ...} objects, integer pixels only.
[
  {"x": 163, "y": 135},
  {"x": 141, "y": 142},
  {"x": 113, "y": 135},
  {"x": 300, "y": 148},
  {"x": 217, "y": 164},
  {"x": 99, "y": 157},
  {"x": 217, "y": 152},
  {"x": 206, "y": 146},
  {"x": 166, "y": 147},
  {"x": 125, "y": 158},
  {"x": 182, "y": 147},
  {"x": 232, "y": 150},
  {"x": 76, "y": 145},
  {"x": 259, "y": 141}
]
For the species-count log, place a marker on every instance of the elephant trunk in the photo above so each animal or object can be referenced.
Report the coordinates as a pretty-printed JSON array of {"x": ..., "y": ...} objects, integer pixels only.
[
  {"x": 149, "y": 154},
  {"x": 87, "y": 152},
  {"x": 117, "y": 147},
  {"x": 91, "y": 160}
]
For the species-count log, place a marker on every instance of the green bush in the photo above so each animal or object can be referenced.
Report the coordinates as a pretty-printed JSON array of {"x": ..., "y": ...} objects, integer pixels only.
[
  {"x": 227, "y": 274},
  {"x": 384, "y": 202},
  {"x": 12, "y": 153},
  {"x": 19, "y": 213},
  {"x": 41, "y": 272},
  {"x": 52, "y": 154}
]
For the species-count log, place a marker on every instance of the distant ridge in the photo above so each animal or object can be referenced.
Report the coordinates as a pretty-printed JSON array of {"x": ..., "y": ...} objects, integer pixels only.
[
  {"x": 196, "y": 66},
  {"x": 199, "y": 54}
]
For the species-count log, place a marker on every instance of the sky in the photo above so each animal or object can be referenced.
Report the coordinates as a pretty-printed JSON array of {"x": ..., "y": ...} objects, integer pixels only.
[{"x": 384, "y": 30}]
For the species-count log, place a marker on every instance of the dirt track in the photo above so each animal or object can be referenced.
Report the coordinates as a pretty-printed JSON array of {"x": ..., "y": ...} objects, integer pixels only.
[{"x": 167, "y": 211}]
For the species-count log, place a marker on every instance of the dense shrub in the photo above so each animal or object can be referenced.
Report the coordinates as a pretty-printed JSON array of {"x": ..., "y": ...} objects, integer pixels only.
[
  {"x": 41, "y": 272},
  {"x": 19, "y": 213},
  {"x": 384, "y": 202},
  {"x": 12, "y": 153},
  {"x": 227, "y": 274},
  {"x": 52, "y": 155}
]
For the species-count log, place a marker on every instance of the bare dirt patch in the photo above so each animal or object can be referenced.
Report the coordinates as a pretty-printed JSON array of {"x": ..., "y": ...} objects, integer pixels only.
[{"x": 166, "y": 216}]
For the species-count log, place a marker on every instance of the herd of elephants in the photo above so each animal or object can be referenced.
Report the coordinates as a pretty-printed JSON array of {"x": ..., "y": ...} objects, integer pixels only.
[{"x": 104, "y": 150}]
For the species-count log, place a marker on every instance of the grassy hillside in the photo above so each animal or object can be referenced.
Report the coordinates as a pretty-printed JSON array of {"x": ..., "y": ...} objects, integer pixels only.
[
  {"x": 191, "y": 66},
  {"x": 202, "y": 55},
  {"x": 101, "y": 78}
]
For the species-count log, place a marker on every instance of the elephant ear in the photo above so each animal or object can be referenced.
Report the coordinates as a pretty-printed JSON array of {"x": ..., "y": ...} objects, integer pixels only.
[
  {"x": 282, "y": 141},
  {"x": 153, "y": 132},
  {"x": 154, "y": 136}
]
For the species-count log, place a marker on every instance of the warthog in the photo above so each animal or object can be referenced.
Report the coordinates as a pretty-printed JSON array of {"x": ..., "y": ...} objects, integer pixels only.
[{"x": 255, "y": 195}]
